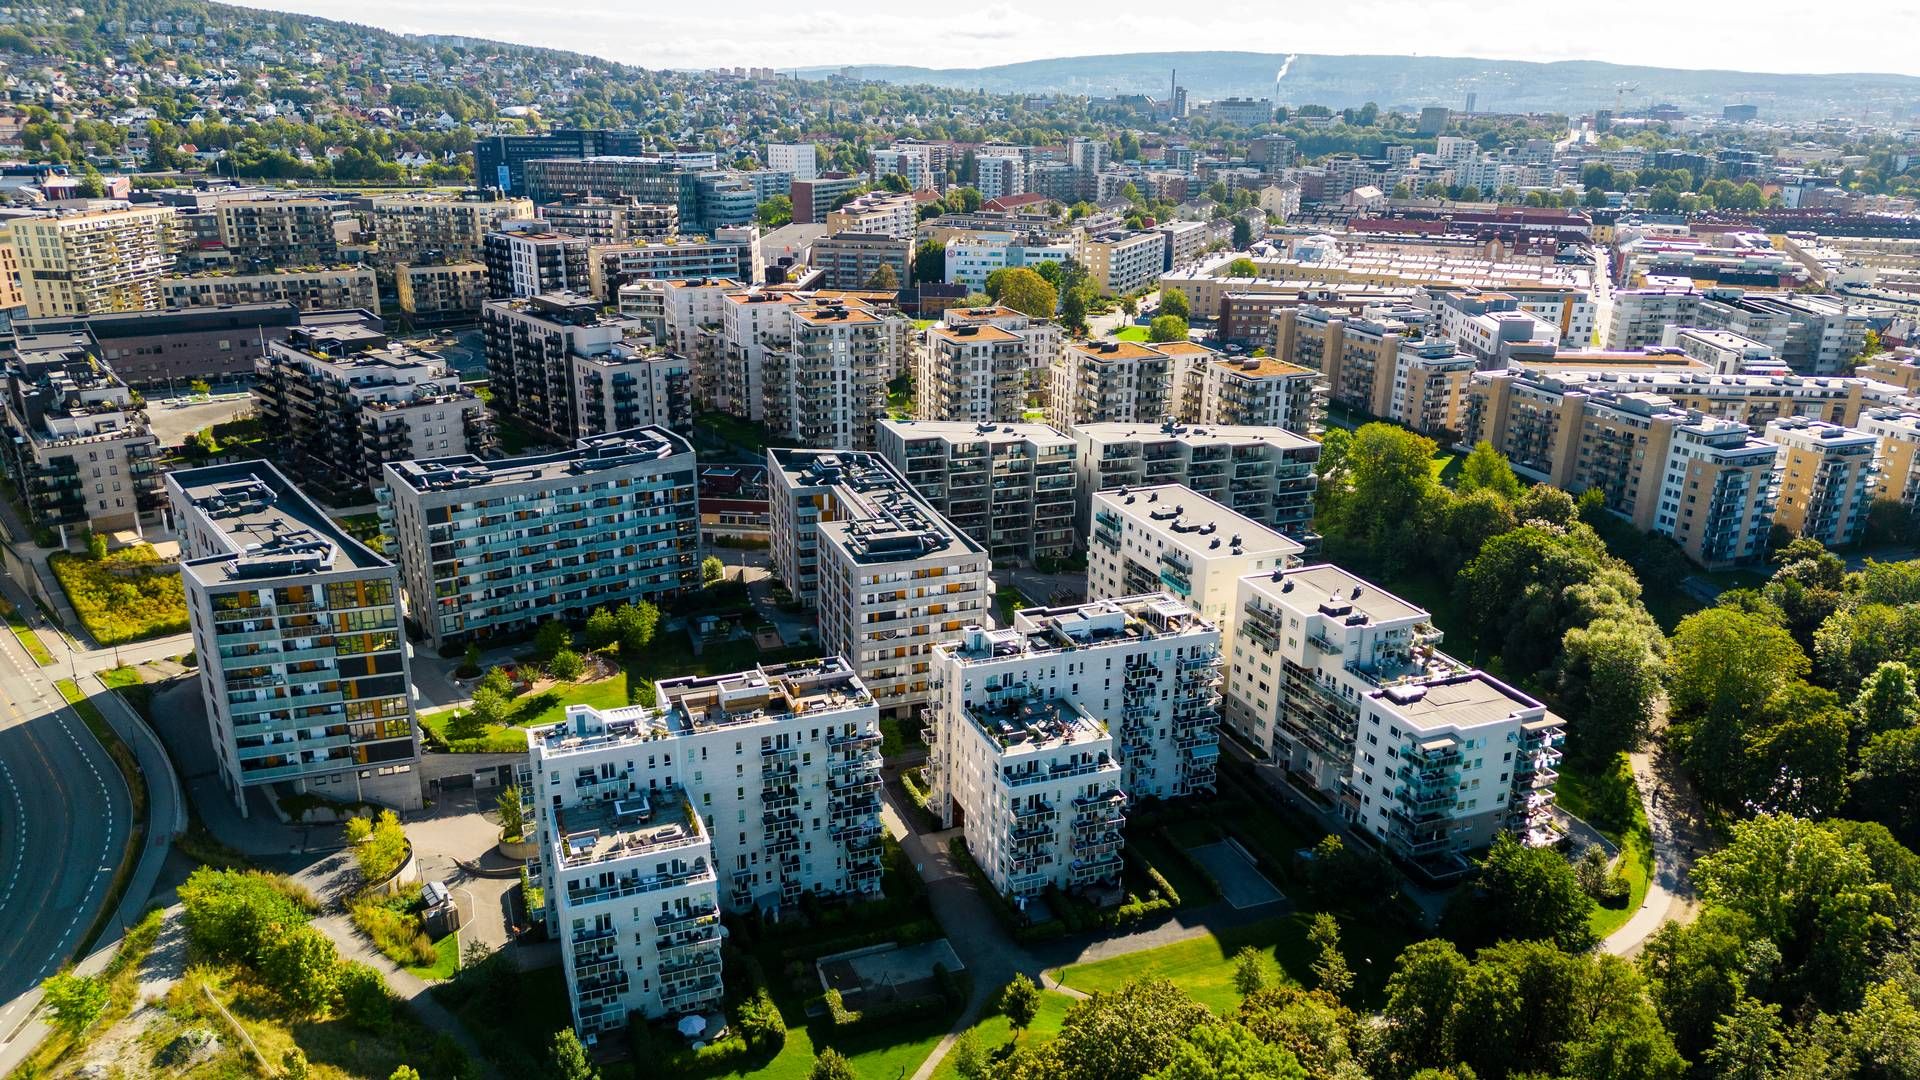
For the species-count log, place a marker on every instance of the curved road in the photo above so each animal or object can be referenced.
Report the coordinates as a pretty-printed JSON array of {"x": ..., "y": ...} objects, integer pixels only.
[{"x": 64, "y": 818}]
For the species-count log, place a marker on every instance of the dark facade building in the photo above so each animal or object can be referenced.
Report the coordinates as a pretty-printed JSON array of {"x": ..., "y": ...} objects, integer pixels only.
[
  {"x": 499, "y": 161},
  {"x": 160, "y": 348}
]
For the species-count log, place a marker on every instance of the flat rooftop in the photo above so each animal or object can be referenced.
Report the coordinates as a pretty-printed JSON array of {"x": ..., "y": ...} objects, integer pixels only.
[
  {"x": 1260, "y": 367},
  {"x": 983, "y": 333},
  {"x": 1195, "y": 435},
  {"x": 589, "y": 455},
  {"x": 883, "y": 519},
  {"x": 1036, "y": 631},
  {"x": 698, "y": 704},
  {"x": 645, "y": 823},
  {"x": 270, "y": 527},
  {"x": 1036, "y": 723},
  {"x": 1311, "y": 586},
  {"x": 1190, "y": 520},
  {"x": 1467, "y": 700},
  {"x": 964, "y": 431}
]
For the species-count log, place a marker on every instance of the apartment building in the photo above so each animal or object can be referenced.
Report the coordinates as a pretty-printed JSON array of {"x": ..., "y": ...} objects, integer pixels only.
[
  {"x": 94, "y": 262},
  {"x": 1813, "y": 335},
  {"x": 433, "y": 294},
  {"x": 1257, "y": 392},
  {"x": 1898, "y": 432},
  {"x": 77, "y": 446},
  {"x": 629, "y": 384},
  {"x": 648, "y": 178},
  {"x": 1723, "y": 351},
  {"x": 889, "y": 576},
  {"x": 1008, "y": 486},
  {"x": 530, "y": 345},
  {"x": 877, "y": 213},
  {"x": 1000, "y": 173},
  {"x": 279, "y": 232},
  {"x": 1827, "y": 479},
  {"x": 1639, "y": 317},
  {"x": 489, "y": 547},
  {"x": 161, "y": 348},
  {"x": 680, "y": 258},
  {"x": 827, "y": 384},
  {"x": 730, "y": 351},
  {"x": 420, "y": 228},
  {"x": 1042, "y": 732},
  {"x": 524, "y": 262},
  {"x": 813, "y": 199},
  {"x": 1339, "y": 683},
  {"x": 600, "y": 220},
  {"x": 1385, "y": 365},
  {"x": 851, "y": 260},
  {"x": 1168, "y": 538},
  {"x": 340, "y": 401},
  {"x": 303, "y": 655},
  {"x": 983, "y": 365},
  {"x": 639, "y": 855},
  {"x": 308, "y": 290},
  {"x": 801, "y": 160},
  {"x": 1263, "y": 473},
  {"x": 1705, "y": 481},
  {"x": 1122, "y": 262},
  {"x": 1111, "y": 381}
]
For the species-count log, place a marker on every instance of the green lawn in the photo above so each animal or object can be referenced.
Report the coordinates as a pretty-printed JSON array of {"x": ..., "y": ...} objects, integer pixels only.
[
  {"x": 1006, "y": 601},
  {"x": 1132, "y": 333},
  {"x": 29, "y": 640},
  {"x": 1203, "y": 967},
  {"x": 126, "y": 682},
  {"x": 993, "y": 1031},
  {"x": 1608, "y": 800},
  {"x": 446, "y": 960},
  {"x": 127, "y": 596}
]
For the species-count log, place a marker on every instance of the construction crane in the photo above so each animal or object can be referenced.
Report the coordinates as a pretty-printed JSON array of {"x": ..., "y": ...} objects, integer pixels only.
[{"x": 1620, "y": 92}]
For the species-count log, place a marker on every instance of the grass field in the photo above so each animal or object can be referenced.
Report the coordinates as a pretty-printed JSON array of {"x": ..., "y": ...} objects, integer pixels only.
[
  {"x": 29, "y": 640},
  {"x": 1608, "y": 800},
  {"x": 1203, "y": 967},
  {"x": 446, "y": 953},
  {"x": 127, "y": 596},
  {"x": 994, "y": 1032},
  {"x": 1132, "y": 333}
]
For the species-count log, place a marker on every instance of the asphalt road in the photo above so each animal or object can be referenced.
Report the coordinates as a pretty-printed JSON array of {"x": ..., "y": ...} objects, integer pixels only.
[{"x": 64, "y": 817}]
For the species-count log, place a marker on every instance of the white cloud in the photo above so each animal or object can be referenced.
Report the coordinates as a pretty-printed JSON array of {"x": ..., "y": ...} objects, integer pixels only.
[{"x": 1759, "y": 35}]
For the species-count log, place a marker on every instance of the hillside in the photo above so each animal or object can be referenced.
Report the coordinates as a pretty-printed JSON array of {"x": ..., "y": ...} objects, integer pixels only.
[{"x": 1412, "y": 81}]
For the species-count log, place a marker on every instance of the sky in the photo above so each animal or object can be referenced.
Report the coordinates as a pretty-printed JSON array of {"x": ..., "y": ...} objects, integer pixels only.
[{"x": 1754, "y": 35}]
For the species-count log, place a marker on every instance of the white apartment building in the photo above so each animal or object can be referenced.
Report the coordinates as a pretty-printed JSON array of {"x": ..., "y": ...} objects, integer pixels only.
[
  {"x": 1338, "y": 683},
  {"x": 1257, "y": 392},
  {"x": 1263, "y": 473},
  {"x": 629, "y": 384},
  {"x": 692, "y": 312},
  {"x": 1000, "y": 173},
  {"x": 1637, "y": 318},
  {"x": 882, "y": 212},
  {"x": 913, "y": 164},
  {"x": 972, "y": 257},
  {"x": 750, "y": 323},
  {"x": 309, "y": 290},
  {"x": 889, "y": 575},
  {"x": 1043, "y": 731},
  {"x": 1827, "y": 479},
  {"x": 491, "y": 547},
  {"x": 800, "y": 159},
  {"x": 1726, "y": 352},
  {"x": 827, "y": 385},
  {"x": 1123, "y": 262},
  {"x": 1114, "y": 381},
  {"x": 1168, "y": 538},
  {"x": 744, "y": 791},
  {"x": 73, "y": 439},
  {"x": 983, "y": 365},
  {"x": 94, "y": 262},
  {"x": 1186, "y": 242},
  {"x": 303, "y": 653},
  {"x": 1008, "y": 486}
]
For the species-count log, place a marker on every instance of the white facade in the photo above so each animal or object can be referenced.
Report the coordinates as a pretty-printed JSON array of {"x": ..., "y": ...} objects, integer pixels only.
[
  {"x": 983, "y": 365},
  {"x": 746, "y": 791},
  {"x": 800, "y": 159},
  {"x": 1339, "y": 683},
  {"x": 1041, "y": 733}
]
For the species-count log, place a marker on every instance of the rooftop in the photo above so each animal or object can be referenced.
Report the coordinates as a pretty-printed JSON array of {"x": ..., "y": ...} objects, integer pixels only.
[
  {"x": 882, "y": 518},
  {"x": 1195, "y": 435},
  {"x": 645, "y": 823},
  {"x": 1260, "y": 367},
  {"x": 270, "y": 528},
  {"x": 591, "y": 454},
  {"x": 957, "y": 431},
  {"x": 1464, "y": 700},
  {"x": 698, "y": 704},
  {"x": 1337, "y": 594},
  {"x": 1039, "y": 631},
  {"x": 1199, "y": 525}
]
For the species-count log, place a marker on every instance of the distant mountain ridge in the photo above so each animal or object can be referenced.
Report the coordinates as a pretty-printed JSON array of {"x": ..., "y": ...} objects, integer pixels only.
[{"x": 1568, "y": 86}]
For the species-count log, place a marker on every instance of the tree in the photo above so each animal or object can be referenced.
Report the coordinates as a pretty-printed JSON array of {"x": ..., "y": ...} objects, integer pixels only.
[
  {"x": 1465, "y": 525},
  {"x": 379, "y": 845},
  {"x": 761, "y": 1023},
  {"x": 1695, "y": 972},
  {"x": 1242, "y": 232},
  {"x": 1544, "y": 504},
  {"x": 1127, "y": 1033},
  {"x": 1334, "y": 445},
  {"x": 1073, "y": 311},
  {"x": 567, "y": 1059},
  {"x": 637, "y": 623},
  {"x": 603, "y": 629},
  {"x": 829, "y": 1065},
  {"x": 1609, "y": 675},
  {"x": 884, "y": 278},
  {"x": 1019, "y": 1001},
  {"x": 199, "y": 386},
  {"x": 1250, "y": 971},
  {"x": 303, "y": 967},
  {"x": 489, "y": 708},
  {"x": 76, "y": 1001},
  {"x": 1724, "y": 665},
  {"x": 513, "y": 819},
  {"x": 1229, "y": 1052},
  {"x": 930, "y": 261},
  {"x": 1810, "y": 893},
  {"x": 1797, "y": 754},
  {"x": 1747, "y": 1042},
  {"x": 1028, "y": 293},
  {"x": 566, "y": 665},
  {"x": 1330, "y": 967},
  {"x": 364, "y": 996},
  {"x": 969, "y": 1060},
  {"x": 96, "y": 546},
  {"x": 1486, "y": 469},
  {"x": 1385, "y": 494},
  {"x": 1167, "y": 328},
  {"x": 552, "y": 636},
  {"x": 1887, "y": 701},
  {"x": 712, "y": 570},
  {"x": 1242, "y": 268},
  {"x": 404, "y": 1072},
  {"x": 775, "y": 212},
  {"x": 1889, "y": 774},
  {"x": 1174, "y": 302},
  {"x": 1524, "y": 893}
]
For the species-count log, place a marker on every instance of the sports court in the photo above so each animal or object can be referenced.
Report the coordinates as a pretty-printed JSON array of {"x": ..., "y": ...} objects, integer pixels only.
[{"x": 1241, "y": 882}]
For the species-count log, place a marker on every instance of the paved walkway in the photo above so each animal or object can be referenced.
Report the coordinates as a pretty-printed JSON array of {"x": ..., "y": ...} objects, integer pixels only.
[{"x": 1679, "y": 833}]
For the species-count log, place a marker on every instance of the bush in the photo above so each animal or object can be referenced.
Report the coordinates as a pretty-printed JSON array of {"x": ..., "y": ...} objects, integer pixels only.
[
  {"x": 233, "y": 914},
  {"x": 379, "y": 845},
  {"x": 396, "y": 932},
  {"x": 127, "y": 596},
  {"x": 364, "y": 997},
  {"x": 761, "y": 1024},
  {"x": 566, "y": 665}
]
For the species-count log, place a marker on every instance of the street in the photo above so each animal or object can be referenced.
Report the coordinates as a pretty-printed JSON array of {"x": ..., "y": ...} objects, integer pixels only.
[{"x": 65, "y": 813}]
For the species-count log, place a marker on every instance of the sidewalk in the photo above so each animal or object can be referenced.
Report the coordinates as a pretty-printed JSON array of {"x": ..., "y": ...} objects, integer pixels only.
[{"x": 1679, "y": 833}]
